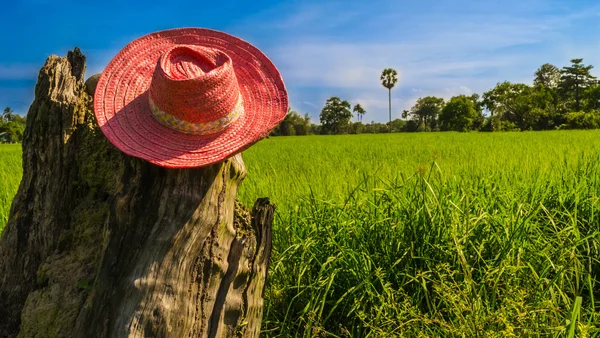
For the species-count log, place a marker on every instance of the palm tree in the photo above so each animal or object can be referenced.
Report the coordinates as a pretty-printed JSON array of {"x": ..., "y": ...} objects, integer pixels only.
[
  {"x": 389, "y": 77},
  {"x": 359, "y": 110},
  {"x": 8, "y": 114}
]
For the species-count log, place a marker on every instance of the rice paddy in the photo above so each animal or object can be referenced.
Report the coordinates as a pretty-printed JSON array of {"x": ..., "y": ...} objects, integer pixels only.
[{"x": 10, "y": 177}]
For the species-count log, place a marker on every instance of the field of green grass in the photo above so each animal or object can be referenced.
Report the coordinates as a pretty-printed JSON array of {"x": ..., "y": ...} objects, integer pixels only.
[
  {"x": 426, "y": 235},
  {"x": 10, "y": 177}
]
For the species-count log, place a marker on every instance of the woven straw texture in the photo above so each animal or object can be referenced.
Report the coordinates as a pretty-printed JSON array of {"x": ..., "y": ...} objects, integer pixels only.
[{"x": 122, "y": 102}]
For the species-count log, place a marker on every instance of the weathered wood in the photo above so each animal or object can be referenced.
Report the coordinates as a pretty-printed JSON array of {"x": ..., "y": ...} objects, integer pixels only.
[{"x": 100, "y": 244}]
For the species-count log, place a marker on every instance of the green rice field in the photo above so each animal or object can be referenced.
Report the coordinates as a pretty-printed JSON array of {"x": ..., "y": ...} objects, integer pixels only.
[
  {"x": 424, "y": 234},
  {"x": 10, "y": 177}
]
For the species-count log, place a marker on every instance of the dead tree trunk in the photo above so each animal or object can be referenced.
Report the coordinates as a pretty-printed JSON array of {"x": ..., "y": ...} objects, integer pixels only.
[{"x": 100, "y": 244}]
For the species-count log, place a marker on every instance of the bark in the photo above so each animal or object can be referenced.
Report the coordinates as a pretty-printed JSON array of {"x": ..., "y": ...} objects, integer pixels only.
[{"x": 100, "y": 244}]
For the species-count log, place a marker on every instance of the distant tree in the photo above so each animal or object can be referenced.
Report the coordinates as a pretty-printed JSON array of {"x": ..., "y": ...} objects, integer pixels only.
[
  {"x": 335, "y": 116},
  {"x": 305, "y": 125},
  {"x": 477, "y": 103},
  {"x": 282, "y": 127},
  {"x": 523, "y": 106},
  {"x": 15, "y": 131},
  {"x": 546, "y": 108},
  {"x": 509, "y": 102},
  {"x": 405, "y": 114},
  {"x": 458, "y": 114},
  {"x": 357, "y": 128},
  {"x": 370, "y": 129},
  {"x": 496, "y": 100},
  {"x": 397, "y": 125},
  {"x": 13, "y": 125},
  {"x": 359, "y": 110},
  {"x": 545, "y": 83},
  {"x": 592, "y": 98},
  {"x": 21, "y": 120},
  {"x": 547, "y": 76},
  {"x": 426, "y": 112},
  {"x": 314, "y": 129},
  {"x": 374, "y": 128},
  {"x": 547, "y": 98},
  {"x": 479, "y": 120},
  {"x": 574, "y": 80},
  {"x": 411, "y": 126},
  {"x": 292, "y": 124},
  {"x": 388, "y": 78},
  {"x": 8, "y": 114},
  {"x": 582, "y": 120}
]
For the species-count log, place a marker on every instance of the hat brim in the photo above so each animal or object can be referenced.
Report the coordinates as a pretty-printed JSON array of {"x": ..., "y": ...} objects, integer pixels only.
[{"x": 123, "y": 112}]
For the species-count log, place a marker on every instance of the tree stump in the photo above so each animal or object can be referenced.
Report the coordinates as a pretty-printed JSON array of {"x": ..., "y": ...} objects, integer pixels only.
[{"x": 100, "y": 244}]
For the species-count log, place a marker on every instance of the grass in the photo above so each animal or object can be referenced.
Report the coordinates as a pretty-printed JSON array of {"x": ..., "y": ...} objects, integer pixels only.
[
  {"x": 431, "y": 235},
  {"x": 10, "y": 177},
  {"x": 289, "y": 168}
]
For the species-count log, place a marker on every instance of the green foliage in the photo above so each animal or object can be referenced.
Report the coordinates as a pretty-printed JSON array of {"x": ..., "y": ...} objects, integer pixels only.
[
  {"x": 388, "y": 78},
  {"x": 397, "y": 125},
  {"x": 357, "y": 128},
  {"x": 592, "y": 98},
  {"x": 14, "y": 131},
  {"x": 426, "y": 112},
  {"x": 582, "y": 120},
  {"x": 507, "y": 100},
  {"x": 293, "y": 124},
  {"x": 524, "y": 106},
  {"x": 458, "y": 114},
  {"x": 335, "y": 116},
  {"x": 376, "y": 128},
  {"x": 575, "y": 79},
  {"x": 547, "y": 76},
  {"x": 359, "y": 110},
  {"x": 504, "y": 125},
  {"x": 12, "y": 127},
  {"x": 411, "y": 126}
]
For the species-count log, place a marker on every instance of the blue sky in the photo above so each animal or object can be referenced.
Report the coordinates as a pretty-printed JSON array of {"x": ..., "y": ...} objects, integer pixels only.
[{"x": 322, "y": 48}]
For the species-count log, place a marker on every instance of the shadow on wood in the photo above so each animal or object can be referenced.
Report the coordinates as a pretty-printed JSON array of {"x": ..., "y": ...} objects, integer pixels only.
[{"x": 100, "y": 244}]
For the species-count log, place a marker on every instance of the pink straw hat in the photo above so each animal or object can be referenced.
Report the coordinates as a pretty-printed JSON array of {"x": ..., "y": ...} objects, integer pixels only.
[{"x": 188, "y": 97}]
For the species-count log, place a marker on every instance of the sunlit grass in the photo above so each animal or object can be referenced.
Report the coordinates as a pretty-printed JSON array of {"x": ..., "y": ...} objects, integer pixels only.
[
  {"x": 438, "y": 256},
  {"x": 289, "y": 168},
  {"x": 445, "y": 235},
  {"x": 10, "y": 176}
]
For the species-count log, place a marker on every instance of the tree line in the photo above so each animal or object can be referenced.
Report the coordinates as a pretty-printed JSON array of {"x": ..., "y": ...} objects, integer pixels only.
[
  {"x": 566, "y": 98},
  {"x": 12, "y": 126}
]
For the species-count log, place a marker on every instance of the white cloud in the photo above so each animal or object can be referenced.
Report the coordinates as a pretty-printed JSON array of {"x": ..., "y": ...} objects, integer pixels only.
[{"x": 435, "y": 53}]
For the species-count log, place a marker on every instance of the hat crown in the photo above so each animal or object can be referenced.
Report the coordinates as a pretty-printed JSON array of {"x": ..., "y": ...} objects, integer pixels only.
[{"x": 194, "y": 84}]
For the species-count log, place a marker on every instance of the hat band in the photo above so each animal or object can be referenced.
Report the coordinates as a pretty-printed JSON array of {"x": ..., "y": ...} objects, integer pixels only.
[{"x": 204, "y": 128}]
